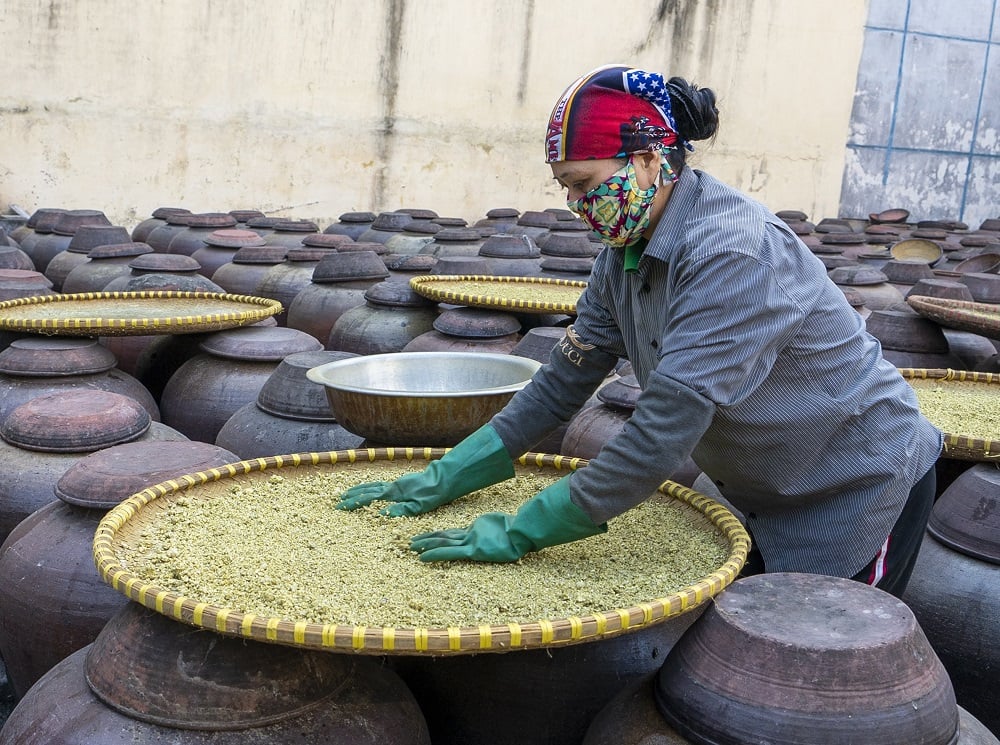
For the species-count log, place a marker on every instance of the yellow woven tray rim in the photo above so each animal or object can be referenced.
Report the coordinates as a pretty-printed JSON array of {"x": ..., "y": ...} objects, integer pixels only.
[
  {"x": 408, "y": 640},
  {"x": 423, "y": 285},
  {"x": 247, "y": 309},
  {"x": 963, "y": 315},
  {"x": 958, "y": 446}
]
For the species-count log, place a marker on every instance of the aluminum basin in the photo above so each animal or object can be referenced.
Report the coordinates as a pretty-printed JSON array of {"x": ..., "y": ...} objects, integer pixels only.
[{"x": 421, "y": 399}]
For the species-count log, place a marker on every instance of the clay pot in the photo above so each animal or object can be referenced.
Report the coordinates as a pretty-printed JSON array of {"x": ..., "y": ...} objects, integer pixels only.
[
  {"x": 983, "y": 286},
  {"x": 58, "y": 240},
  {"x": 198, "y": 227},
  {"x": 952, "y": 590},
  {"x": 807, "y": 658},
  {"x": 43, "y": 438},
  {"x": 906, "y": 272},
  {"x": 289, "y": 233},
  {"x": 86, "y": 238},
  {"x": 233, "y": 365},
  {"x": 38, "y": 365},
  {"x": 413, "y": 237},
  {"x": 245, "y": 216},
  {"x": 338, "y": 283},
  {"x": 174, "y": 223},
  {"x": 533, "y": 697},
  {"x": 392, "y": 316},
  {"x": 943, "y": 288},
  {"x": 153, "y": 271},
  {"x": 534, "y": 224},
  {"x": 157, "y": 218},
  {"x": 39, "y": 223},
  {"x": 906, "y": 332},
  {"x": 262, "y": 225},
  {"x": 47, "y": 565},
  {"x": 15, "y": 283},
  {"x": 403, "y": 267},
  {"x": 103, "y": 264},
  {"x": 220, "y": 246},
  {"x": 12, "y": 257},
  {"x": 247, "y": 267},
  {"x": 871, "y": 283},
  {"x": 147, "y": 678},
  {"x": 285, "y": 280},
  {"x": 291, "y": 414},
  {"x": 465, "y": 329},
  {"x": 499, "y": 219},
  {"x": 475, "y": 266},
  {"x": 351, "y": 224},
  {"x": 572, "y": 268},
  {"x": 511, "y": 256}
]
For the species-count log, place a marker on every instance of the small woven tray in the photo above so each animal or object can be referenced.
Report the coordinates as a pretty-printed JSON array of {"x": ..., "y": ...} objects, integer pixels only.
[
  {"x": 522, "y": 294},
  {"x": 133, "y": 313},
  {"x": 957, "y": 445},
  {"x": 122, "y": 524},
  {"x": 963, "y": 315}
]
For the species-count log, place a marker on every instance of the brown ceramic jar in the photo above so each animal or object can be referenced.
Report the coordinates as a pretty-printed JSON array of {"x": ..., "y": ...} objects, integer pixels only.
[
  {"x": 85, "y": 238},
  {"x": 464, "y": 329},
  {"x": 104, "y": 263},
  {"x": 220, "y": 246},
  {"x": 157, "y": 218},
  {"x": 285, "y": 280},
  {"x": 351, "y": 224},
  {"x": 62, "y": 233},
  {"x": 392, "y": 316},
  {"x": 247, "y": 267},
  {"x": 198, "y": 227}
]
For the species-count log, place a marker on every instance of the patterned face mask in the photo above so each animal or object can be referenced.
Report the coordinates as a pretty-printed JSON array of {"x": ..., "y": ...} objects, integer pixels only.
[{"x": 618, "y": 210}]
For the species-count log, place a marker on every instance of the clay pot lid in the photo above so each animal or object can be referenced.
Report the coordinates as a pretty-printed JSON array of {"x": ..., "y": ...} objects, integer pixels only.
[
  {"x": 295, "y": 226},
  {"x": 357, "y": 217},
  {"x": 503, "y": 213},
  {"x": 418, "y": 213},
  {"x": 854, "y": 297},
  {"x": 23, "y": 278},
  {"x": 574, "y": 226},
  {"x": 70, "y": 220},
  {"x": 44, "y": 356},
  {"x": 906, "y": 271},
  {"x": 834, "y": 225},
  {"x": 349, "y": 267},
  {"x": 844, "y": 238},
  {"x": 173, "y": 281},
  {"x": 791, "y": 215},
  {"x": 177, "y": 218},
  {"x": 894, "y": 215},
  {"x": 162, "y": 213},
  {"x": 537, "y": 219},
  {"x": 832, "y": 261},
  {"x": 119, "y": 250},
  {"x": 233, "y": 238},
  {"x": 326, "y": 240},
  {"x": 858, "y": 275},
  {"x": 260, "y": 255},
  {"x": 942, "y": 288},
  {"x": 976, "y": 240},
  {"x": 102, "y": 479},
  {"x": 44, "y": 215},
  {"x": 457, "y": 235},
  {"x": 984, "y": 287},
  {"x": 946, "y": 225},
  {"x": 510, "y": 246},
  {"x": 474, "y": 265},
  {"x": 262, "y": 221},
  {"x": 157, "y": 262},
  {"x": 245, "y": 215},
  {"x": 877, "y": 239},
  {"x": 568, "y": 264},
  {"x": 259, "y": 343},
  {"x": 75, "y": 421},
  {"x": 803, "y": 227},
  {"x": 302, "y": 254},
  {"x": 990, "y": 223},
  {"x": 212, "y": 685},
  {"x": 396, "y": 293},
  {"x": 621, "y": 393},
  {"x": 984, "y": 262},
  {"x": 87, "y": 237},
  {"x": 392, "y": 222},
  {"x": 966, "y": 517},
  {"x": 929, "y": 234},
  {"x": 880, "y": 229},
  {"x": 804, "y": 653},
  {"x": 476, "y": 323},
  {"x": 568, "y": 245},
  {"x": 214, "y": 220},
  {"x": 562, "y": 214},
  {"x": 289, "y": 394},
  {"x": 450, "y": 222},
  {"x": 419, "y": 263},
  {"x": 906, "y": 331},
  {"x": 425, "y": 227}
]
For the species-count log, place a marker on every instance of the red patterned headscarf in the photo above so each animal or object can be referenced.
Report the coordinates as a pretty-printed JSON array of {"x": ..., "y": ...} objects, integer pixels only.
[{"x": 610, "y": 112}]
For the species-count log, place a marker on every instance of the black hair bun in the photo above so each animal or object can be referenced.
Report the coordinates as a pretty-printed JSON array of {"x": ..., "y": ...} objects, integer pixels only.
[{"x": 694, "y": 109}]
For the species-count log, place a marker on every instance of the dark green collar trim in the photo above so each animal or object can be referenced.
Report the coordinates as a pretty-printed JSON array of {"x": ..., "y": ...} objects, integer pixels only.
[{"x": 633, "y": 253}]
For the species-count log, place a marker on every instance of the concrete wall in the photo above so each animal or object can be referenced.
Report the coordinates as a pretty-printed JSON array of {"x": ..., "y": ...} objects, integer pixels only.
[{"x": 312, "y": 108}]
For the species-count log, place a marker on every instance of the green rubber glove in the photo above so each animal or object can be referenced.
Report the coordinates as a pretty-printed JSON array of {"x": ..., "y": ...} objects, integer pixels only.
[
  {"x": 478, "y": 461},
  {"x": 547, "y": 519}
]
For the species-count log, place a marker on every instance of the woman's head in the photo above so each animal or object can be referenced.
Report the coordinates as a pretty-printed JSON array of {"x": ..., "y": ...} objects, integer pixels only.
[{"x": 615, "y": 136}]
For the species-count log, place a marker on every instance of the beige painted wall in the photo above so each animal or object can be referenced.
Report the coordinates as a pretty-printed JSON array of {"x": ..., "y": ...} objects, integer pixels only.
[{"x": 312, "y": 108}]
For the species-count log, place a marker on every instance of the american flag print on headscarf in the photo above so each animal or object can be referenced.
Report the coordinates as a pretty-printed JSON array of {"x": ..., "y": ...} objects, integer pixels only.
[{"x": 611, "y": 112}]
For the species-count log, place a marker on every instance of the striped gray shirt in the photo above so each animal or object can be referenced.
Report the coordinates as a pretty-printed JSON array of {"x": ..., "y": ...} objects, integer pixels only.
[{"x": 752, "y": 361}]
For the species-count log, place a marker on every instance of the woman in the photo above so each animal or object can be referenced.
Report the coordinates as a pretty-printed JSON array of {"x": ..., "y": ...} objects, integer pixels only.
[{"x": 750, "y": 360}]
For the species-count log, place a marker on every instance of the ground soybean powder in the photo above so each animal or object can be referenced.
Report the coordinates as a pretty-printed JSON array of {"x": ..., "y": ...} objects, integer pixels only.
[
  {"x": 273, "y": 544},
  {"x": 960, "y": 407}
]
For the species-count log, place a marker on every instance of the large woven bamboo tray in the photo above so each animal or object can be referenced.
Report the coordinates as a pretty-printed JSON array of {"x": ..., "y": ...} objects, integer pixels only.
[
  {"x": 123, "y": 524},
  {"x": 962, "y": 315},
  {"x": 521, "y": 294},
  {"x": 133, "y": 313},
  {"x": 966, "y": 391}
]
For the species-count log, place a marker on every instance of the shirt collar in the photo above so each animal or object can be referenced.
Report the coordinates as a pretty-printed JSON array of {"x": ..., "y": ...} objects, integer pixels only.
[{"x": 670, "y": 230}]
